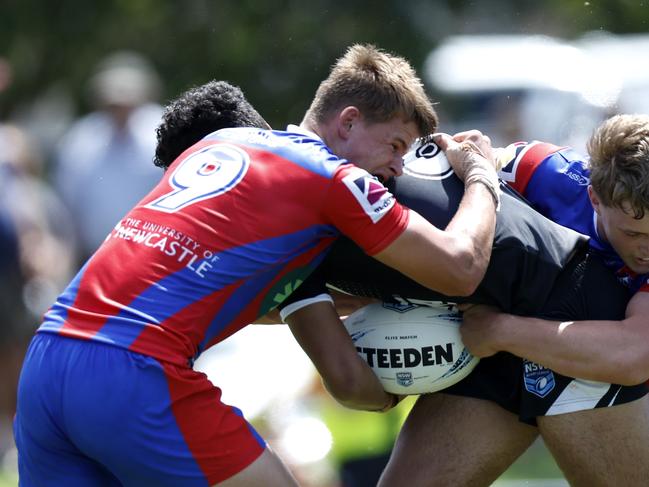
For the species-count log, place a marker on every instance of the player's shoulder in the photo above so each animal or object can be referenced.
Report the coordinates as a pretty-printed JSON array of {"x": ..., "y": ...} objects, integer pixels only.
[
  {"x": 520, "y": 162},
  {"x": 301, "y": 148},
  {"x": 520, "y": 153}
]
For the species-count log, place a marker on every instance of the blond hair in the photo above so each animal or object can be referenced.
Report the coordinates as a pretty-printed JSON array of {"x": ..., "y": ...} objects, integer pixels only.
[
  {"x": 619, "y": 162},
  {"x": 381, "y": 85}
]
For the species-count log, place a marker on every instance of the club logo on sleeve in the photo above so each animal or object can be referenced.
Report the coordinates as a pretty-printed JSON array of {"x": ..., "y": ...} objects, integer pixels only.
[
  {"x": 373, "y": 197},
  {"x": 508, "y": 158}
]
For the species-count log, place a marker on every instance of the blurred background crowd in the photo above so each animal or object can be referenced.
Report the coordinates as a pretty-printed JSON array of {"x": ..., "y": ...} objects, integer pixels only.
[{"x": 82, "y": 86}]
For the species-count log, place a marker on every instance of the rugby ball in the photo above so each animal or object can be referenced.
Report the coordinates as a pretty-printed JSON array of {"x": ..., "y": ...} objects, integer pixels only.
[{"x": 412, "y": 349}]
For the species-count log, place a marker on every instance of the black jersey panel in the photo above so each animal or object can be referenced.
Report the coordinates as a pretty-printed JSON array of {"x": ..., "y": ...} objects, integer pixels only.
[
  {"x": 587, "y": 290},
  {"x": 528, "y": 255}
]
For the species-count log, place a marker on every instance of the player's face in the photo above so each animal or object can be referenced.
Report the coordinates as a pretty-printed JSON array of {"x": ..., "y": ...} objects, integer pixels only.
[
  {"x": 628, "y": 236},
  {"x": 379, "y": 147}
]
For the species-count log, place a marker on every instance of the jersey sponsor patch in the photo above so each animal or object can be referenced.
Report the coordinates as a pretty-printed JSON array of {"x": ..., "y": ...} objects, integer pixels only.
[{"x": 373, "y": 197}]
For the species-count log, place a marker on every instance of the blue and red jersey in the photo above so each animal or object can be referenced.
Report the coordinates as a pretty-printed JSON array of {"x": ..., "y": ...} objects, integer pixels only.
[
  {"x": 236, "y": 223},
  {"x": 555, "y": 181}
]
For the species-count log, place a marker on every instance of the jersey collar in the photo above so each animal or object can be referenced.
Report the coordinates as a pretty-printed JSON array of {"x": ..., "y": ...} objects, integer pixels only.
[{"x": 301, "y": 130}]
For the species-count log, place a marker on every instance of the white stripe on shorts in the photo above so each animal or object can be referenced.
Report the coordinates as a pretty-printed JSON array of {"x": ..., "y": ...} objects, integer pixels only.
[{"x": 579, "y": 395}]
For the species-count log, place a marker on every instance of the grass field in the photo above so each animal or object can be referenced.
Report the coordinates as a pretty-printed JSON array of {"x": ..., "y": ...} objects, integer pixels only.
[
  {"x": 535, "y": 468},
  {"x": 8, "y": 480},
  {"x": 8, "y": 476}
]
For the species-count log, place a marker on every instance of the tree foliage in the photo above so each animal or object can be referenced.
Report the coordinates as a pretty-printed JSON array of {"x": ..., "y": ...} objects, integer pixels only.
[{"x": 276, "y": 51}]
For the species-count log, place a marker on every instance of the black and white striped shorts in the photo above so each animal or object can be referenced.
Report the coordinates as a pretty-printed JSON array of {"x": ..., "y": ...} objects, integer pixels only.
[{"x": 585, "y": 290}]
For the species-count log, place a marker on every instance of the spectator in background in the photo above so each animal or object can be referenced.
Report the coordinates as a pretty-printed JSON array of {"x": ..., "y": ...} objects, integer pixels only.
[
  {"x": 110, "y": 148},
  {"x": 10, "y": 286},
  {"x": 36, "y": 248},
  {"x": 45, "y": 236},
  {"x": 36, "y": 258}
]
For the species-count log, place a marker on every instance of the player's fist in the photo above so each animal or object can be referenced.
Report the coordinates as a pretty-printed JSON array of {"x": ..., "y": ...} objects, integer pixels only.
[
  {"x": 471, "y": 156},
  {"x": 467, "y": 151}
]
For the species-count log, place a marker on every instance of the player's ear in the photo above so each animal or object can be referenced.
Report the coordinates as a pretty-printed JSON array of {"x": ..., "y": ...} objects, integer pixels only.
[
  {"x": 594, "y": 199},
  {"x": 346, "y": 119}
]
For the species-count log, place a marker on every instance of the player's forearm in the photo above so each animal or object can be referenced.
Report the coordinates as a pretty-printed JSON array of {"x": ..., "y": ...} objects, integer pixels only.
[
  {"x": 345, "y": 374},
  {"x": 450, "y": 262},
  {"x": 473, "y": 225},
  {"x": 607, "y": 351},
  {"x": 473, "y": 228},
  {"x": 365, "y": 394}
]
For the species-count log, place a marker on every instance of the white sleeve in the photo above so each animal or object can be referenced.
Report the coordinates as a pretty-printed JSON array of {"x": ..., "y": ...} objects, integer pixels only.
[{"x": 293, "y": 307}]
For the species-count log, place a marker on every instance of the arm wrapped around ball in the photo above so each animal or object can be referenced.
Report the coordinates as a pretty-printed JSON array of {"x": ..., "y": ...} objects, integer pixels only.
[{"x": 347, "y": 377}]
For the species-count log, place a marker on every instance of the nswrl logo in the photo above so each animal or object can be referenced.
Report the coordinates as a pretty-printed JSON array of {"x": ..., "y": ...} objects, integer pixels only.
[
  {"x": 538, "y": 380},
  {"x": 405, "y": 379}
]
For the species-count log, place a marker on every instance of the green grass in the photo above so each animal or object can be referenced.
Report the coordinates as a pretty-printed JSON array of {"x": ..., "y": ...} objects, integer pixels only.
[
  {"x": 8, "y": 480},
  {"x": 536, "y": 464}
]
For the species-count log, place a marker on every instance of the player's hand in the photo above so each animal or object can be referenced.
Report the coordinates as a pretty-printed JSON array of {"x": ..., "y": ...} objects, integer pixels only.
[
  {"x": 394, "y": 400},
  {"x": 481, "y": 142},
  {"x": 467, "y": 151},
  {"x": 480, "y": 329},
  {"x": 471, "y": 156}
]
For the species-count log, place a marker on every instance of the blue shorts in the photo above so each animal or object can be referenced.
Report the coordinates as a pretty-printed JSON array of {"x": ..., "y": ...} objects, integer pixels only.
[{"x": 94, "y": 414}]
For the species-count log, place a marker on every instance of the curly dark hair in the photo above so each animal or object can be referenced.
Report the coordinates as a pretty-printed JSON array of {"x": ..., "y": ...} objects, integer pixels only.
[{"x": 198, "y": 112}]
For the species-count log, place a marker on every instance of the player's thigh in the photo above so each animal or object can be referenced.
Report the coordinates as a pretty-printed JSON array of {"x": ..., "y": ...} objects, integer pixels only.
[
  {"x": 56, "y": 463},
  {"x": 607, "y": 446},
  {"x": 46, "y": 455},
  {"x": 44, "y": 468},
  {"x": 175, "y": 430},
  {"x": 453, "y": 440},
  {"x": 268, "y": 470},
  {"x": 146, "y": 422}
]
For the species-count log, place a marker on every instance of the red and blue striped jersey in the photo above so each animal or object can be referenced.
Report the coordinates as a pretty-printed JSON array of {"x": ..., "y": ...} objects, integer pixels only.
[
  {"x": 555, "y": 181},
  {"x": 236, "y": 223}
]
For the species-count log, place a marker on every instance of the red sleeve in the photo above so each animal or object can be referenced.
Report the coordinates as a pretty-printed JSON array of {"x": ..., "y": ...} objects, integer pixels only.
[
  {"x": 519, "y": 161},
  {"x": 364, "y": 210}
]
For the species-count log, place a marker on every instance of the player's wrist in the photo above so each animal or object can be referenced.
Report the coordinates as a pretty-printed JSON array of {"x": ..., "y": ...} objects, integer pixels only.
[
  {"x": 487, "y": 177},
  {"x": 502, "y": 332}
]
